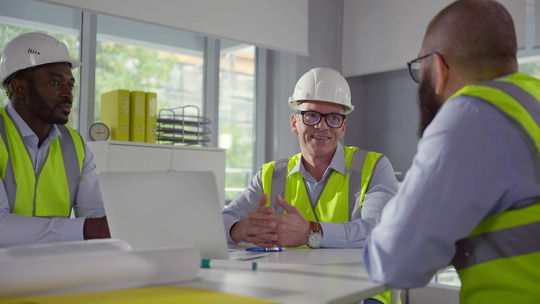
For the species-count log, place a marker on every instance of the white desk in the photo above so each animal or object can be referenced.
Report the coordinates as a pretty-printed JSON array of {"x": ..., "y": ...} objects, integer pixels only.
[
  {"x": 291, "y": 276},
  {"x": 297, "y": 276}
]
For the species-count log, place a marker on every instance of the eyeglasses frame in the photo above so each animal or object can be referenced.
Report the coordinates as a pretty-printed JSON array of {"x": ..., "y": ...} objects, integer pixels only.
[
  {"x": 419, "y": 59},
  {"x": 321, "y": 117}
]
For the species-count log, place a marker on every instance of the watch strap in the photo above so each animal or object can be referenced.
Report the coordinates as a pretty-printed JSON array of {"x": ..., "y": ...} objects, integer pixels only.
[
  {"x": 315, "y": 236},
  {"x": 315, "y": 227}
]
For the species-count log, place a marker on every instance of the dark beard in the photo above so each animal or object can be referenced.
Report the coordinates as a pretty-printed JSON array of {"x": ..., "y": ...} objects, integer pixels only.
[
  {"x": 41, "y": 109},
  {"x": 429, "y": 104}
]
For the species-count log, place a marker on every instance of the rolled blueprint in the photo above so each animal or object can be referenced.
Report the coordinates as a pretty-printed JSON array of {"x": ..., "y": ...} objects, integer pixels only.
[{"x": 92, "y": 266}]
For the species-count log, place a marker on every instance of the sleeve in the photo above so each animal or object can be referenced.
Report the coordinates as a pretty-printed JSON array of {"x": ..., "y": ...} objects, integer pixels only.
[
  {"x": 89, "y": 202},
  {"x": 382, "y": 187},
  {"x": 458, "y": 176},
  {"x": 19, "y": 229},
  {"x": 237, "y": 209}
]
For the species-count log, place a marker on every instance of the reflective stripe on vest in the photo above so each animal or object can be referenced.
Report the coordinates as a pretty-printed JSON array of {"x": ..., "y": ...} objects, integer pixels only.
[
  {"x": 499, "y": 261},
  {"x": 51, "y": 190},
  {"x": 492, "y": 239},
  {"x": 338, "y": 202}
]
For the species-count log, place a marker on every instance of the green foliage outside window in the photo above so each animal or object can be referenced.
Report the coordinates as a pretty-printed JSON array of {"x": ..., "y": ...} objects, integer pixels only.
[
  {"x": 131, "y": 68},
  {"x": 531, "y": 68}
]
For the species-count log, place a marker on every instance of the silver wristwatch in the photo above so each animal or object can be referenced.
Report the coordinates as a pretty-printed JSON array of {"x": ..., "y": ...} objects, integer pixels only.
[{"x": 315, "y": 236}]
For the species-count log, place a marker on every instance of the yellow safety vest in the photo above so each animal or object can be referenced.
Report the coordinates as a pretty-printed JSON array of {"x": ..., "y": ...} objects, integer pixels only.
[
  {"x": 336, "y": 204},
  {"x": 52, "y": 190},
  {"x": 499, "y": 262}
]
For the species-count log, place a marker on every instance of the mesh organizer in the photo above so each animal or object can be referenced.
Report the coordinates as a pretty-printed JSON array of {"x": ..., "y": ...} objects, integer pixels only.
[{"x": 182, "y": 126}]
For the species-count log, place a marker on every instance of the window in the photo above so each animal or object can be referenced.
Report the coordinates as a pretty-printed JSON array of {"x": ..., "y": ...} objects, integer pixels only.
[
  {"x": 139, "y": 56},
  {"x": 136, "y": 56},
  {"x": 236, "y": 112},
  {"x": 530, "y": 66}
]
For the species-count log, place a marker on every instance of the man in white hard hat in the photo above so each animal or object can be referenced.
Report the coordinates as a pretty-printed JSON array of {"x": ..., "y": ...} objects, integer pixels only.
[
  {"x": 328, "y": 190},
  {"x": 47, "y": 169},
  {"x": 328, "y": 195}
]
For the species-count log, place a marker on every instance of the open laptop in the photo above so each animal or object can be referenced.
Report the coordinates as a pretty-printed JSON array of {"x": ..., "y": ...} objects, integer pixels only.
[{"x": 160, "y": 209}]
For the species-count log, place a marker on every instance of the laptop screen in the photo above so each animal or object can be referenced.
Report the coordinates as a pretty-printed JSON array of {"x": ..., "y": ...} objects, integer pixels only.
[{"x": 161, "y": 209}]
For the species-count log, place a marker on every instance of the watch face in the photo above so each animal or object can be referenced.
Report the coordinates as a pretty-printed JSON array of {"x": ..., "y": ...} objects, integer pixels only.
[
  {"x": 315, "y": 239},
  {"x": 98, "y": 131}
]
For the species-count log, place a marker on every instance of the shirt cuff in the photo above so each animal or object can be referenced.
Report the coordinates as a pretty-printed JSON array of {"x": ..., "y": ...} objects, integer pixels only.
[
  {"x": 228, "y": 226},
  {"x": 333, "y": 236},
  {"x": 72, "y": 229}
]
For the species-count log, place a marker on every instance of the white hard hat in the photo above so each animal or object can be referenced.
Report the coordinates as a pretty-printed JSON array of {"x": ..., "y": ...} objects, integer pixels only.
[
  {"x": 322, "y": 84},
  {"x": 32, "y": 49}
]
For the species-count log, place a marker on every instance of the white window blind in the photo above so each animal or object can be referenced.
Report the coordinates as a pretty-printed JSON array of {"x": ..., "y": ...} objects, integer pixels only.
[{"x": 277, "y": 24}]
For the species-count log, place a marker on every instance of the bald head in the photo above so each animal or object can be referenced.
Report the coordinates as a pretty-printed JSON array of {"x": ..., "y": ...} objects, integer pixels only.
[{"x": 476, "y": 37}]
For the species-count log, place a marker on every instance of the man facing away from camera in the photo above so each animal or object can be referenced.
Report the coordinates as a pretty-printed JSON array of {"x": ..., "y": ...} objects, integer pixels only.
[{"x": 472, "y": 195}]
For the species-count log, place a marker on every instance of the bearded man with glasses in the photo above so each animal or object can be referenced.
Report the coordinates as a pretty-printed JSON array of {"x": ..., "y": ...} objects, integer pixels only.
[{"x": 472, "y": 195}]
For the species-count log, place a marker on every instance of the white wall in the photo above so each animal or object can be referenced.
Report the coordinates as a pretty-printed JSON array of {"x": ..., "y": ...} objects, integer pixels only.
[
  {"x": 382, "y": 35},
  {"x": 386, "y": 116},
  {"x": 284, "y": 70}
]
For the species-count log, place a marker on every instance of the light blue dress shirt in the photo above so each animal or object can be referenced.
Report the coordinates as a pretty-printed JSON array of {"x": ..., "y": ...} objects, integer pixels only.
[
  {"x": 18, "y": 229},
  {"x": 382, "y": 187},
  {"x": 472, "y": 163}
]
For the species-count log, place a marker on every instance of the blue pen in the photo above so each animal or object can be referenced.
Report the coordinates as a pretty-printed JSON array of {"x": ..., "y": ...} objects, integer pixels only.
[{"x": 266, "y": 249}]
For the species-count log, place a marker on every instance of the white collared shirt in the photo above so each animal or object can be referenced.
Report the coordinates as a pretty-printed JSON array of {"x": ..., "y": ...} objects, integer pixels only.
[{"x": 37, "y": 154}]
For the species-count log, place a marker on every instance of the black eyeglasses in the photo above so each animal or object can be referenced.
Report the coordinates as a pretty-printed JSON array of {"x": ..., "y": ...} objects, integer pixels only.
[
  {"x": 415, "y": 64},
  {"x": 311, "y": 118}
]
